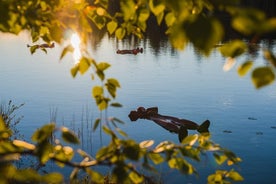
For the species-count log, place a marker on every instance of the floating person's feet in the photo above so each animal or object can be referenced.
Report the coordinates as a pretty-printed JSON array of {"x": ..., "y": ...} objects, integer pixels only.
[{"x": 170, "y": 123}]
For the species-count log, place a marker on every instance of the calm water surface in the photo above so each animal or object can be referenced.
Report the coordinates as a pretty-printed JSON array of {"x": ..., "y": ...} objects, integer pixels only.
[{"x": 181, "y": 84}]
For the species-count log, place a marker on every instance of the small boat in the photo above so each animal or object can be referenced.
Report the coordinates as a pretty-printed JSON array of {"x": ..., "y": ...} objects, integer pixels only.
[
  {"x": 170, "y": 123},
  {"x": 132, "y": 51}
]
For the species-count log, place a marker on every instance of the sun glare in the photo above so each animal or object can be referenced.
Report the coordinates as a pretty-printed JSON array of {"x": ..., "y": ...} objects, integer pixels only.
[{"x": 75, "y": 42}]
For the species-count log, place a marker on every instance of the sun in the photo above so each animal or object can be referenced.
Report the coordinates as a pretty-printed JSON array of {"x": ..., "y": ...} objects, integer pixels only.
[{"x": 75, "y": 42}]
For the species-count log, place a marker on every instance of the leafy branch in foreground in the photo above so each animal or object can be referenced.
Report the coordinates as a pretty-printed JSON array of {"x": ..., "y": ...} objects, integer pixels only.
[{"x": 125, "y": 157}]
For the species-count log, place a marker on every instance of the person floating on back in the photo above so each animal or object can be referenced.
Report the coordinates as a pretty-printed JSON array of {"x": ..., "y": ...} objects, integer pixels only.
[
  {"x": 132, "y": 51},
  {"x": 172, "y": 124}
]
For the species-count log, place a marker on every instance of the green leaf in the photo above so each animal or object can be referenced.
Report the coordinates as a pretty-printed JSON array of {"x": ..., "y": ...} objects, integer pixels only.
[
  {"x": 204, "y": 40},
  {"x": 96, "y": 123},
  {"x": 157, "y": 7},
  {"x": 67, "y": 49},
  {"x": 160, "y": 18},
  {"x": 9, "y": 147},
  {"x": 233, "y": 49},
  {"x": 111, "y": 26},
  {"x": 27, "y": 175},
  {"x": 113, "y": 82},
  {"x": 121, "y": 132},
  {"x": 248, "y": 21},
  {"x": 170, "y": 19},
  {"x": 245, "y": 67},
  {"x": 97, "y": 91},
  {"x": 103, "y": 66},
  {"x": 75, "y": 70},
  {"x": 43, "y": 133},
  {"x": 102, "y": 104},
  {"x": 53, "y": 178},
  {"x": 43, "y": 151},
  {"x": 118, "y": 120},
  {"x": 95, "y": 176},
  {"x": 220, "y": 159},
  {"x": 136, "y": 178},
  {"x": 33, "y": 48},
  {"x": 84, "y": 65},
  {"x": 99, "y": 21},
  {"x": 100, "y": 74},
  {"x": 143, "y": 15},
  {"x": 132, "y": 150},
  {"x": 190, "y": 140},
  {"x": 156, "y": 158},
  {"x": 120, "y": 33},
  {"x": 5, "y": 133},
  {"x": 116, "y": 105},
  {"x": 235, "y": 176},
  {"x": 68, "y": 136},
  {"x": 262, "y": 76}
]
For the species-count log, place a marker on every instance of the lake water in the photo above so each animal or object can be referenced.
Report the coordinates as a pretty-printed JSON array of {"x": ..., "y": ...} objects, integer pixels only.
[{"x": 180, "y": 84}]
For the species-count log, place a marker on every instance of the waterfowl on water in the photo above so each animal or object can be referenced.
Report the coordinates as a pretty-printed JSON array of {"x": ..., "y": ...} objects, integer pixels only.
[
  {"x": 132, "y": 51},
  {"x": 170, "y": 123}
]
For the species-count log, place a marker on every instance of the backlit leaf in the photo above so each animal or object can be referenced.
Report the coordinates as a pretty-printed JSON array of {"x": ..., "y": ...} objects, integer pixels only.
[
  {"x": 156, "y": 7},
  {"x": 220, "y": 159},
  {"x": 160, "y": 18},
  {"x": 233, "y": 49},
  {"x": 120, "y": 33},
  {"x": 95, "y": 176},
  {"x": 135, "y": 177},
  {"x": 43, "y": 133},
  {"x": 245, "y": 67},
  {"x": 143, "y": 15},
  {"x": 156, "y": 158},
  {"x": 53, "y": 178},
  {"x": 69, "y": 136},
  {"x": 75, "y": 70},
  {"x": 235, "y": 176},
  {"x": 84, "y": 65},
  {"x": 114, "y": 82},
  {"x": 248, "y": 21},
  {"x": 262, "y": 76},
  {"x": 190, "y": 140},
  {"x": 97, "y": 91},
  {"x": 170, "y": 19},
  {"x": 43, "y": 151},
  {"x": 67, "y": 49},
  {"x": 33, "y": 48},
  {"x": 111, "y": 26},
  {"x": 103, "y": 66}
]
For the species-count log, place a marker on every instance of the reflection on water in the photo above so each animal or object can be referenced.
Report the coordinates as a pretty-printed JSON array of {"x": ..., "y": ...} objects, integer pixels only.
[{"x": 181, "y": 84}]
